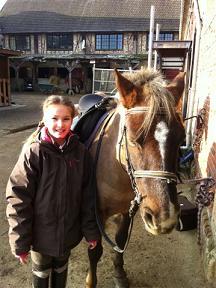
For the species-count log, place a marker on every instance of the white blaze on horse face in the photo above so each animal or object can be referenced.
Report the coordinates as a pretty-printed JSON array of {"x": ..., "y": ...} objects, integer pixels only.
[{"x": 160, "y": 135}]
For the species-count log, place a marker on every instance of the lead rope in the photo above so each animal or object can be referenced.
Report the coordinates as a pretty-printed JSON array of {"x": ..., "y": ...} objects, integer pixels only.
[{"x": 204, "y": 198}]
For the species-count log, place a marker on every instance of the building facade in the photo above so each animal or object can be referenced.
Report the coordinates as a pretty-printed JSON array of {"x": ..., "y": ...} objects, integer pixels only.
[{"x": 63, "y": 37}]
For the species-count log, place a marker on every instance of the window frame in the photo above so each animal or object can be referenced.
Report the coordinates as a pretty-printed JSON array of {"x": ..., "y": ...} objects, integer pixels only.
[
  {"x": 61, "y": 46},
  {"x": 161, "y": 33},
  {"x": 107, "y": 41},
  {"x": 166, "y": 34},
  {"x": 18, "y": 39}
]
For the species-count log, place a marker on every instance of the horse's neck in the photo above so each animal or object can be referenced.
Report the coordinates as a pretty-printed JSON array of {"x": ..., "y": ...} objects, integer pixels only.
[
  {"x": 110, "y": 137},
  {"x": 112, "y": 130},
  {"x": 112, "y": 180}
]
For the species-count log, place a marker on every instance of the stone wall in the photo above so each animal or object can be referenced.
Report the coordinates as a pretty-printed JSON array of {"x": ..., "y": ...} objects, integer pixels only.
[
  {"x": 205, "y": 97},
  {"x": 205, "y": 88}
]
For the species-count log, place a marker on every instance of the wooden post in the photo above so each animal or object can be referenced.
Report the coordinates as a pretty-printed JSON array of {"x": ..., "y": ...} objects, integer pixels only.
[
  {"x": 16, "y": 67},
  {"x": 8, "y": 83},
  {"x": 70, "y": 67},
  {"x": 5, "y": 96},
  {"x": 1, "y": 93},
  {"x": 69, "y": 79}
]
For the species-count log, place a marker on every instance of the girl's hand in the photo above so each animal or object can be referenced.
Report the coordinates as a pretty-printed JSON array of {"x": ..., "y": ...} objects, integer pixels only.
[
  {"x": 92, "y": 244},
  {"x": 23, "y": 258}
]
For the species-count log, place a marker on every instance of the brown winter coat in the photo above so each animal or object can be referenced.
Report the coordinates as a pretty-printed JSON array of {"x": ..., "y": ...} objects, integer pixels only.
[{"x": 50, "y": 199}]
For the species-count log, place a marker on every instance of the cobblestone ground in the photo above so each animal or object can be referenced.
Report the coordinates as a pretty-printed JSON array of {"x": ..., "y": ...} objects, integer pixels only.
[{"x": 168, "y": 261}]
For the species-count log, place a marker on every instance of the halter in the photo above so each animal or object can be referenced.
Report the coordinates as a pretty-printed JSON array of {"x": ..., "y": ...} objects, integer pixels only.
[
  {"x": 169, "y": 177},
  {"x": 133, "y": 174}
]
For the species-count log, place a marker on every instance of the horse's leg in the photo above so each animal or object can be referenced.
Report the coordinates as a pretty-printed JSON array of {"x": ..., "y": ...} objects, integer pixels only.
[
  {"x": 94, "y": 256},
  {"x": 120, "y": 277}
]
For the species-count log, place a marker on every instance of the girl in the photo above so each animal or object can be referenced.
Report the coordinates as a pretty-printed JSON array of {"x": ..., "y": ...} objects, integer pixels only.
[{"x": 49, "y": 193}]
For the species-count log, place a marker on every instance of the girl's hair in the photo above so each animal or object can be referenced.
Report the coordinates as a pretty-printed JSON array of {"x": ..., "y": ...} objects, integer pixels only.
[
  {"x": 61, "y": 100},
  {"x": 52, "y": 100}
]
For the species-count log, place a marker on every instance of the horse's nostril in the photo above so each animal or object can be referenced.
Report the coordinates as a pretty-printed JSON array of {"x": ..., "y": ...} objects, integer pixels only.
[{"x": 148, "y": 218}]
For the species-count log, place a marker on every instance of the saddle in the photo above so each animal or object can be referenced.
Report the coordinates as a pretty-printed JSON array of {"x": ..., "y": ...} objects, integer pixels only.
[{"x": 90, "y": 121}]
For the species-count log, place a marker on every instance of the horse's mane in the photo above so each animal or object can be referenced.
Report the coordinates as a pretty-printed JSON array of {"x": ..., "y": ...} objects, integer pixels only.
[{"x": 154, "y": 92}]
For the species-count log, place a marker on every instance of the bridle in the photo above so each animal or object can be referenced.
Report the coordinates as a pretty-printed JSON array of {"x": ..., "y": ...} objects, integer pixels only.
[{"x": 169, "y": 177}]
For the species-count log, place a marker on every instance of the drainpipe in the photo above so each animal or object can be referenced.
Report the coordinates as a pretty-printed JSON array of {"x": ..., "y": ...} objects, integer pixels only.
[
  {"x": 151, "y": 36},
  {"x": 93, "y": 82},
  {"x": 155, "y": 52},
  {"x": 192, "y": 92},
  {"x": 181, "y": 20}
]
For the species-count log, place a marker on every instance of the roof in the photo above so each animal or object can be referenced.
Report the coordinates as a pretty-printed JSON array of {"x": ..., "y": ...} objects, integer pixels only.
[
  {"x": 172, "y": 48},
  {"x": 119, "y": 57},
  {"x": 34, "y": 22},
  {"x": 165, "y": 9},
  {"x": 8, "y": 52},
  {"x": 35, "y": 16}
]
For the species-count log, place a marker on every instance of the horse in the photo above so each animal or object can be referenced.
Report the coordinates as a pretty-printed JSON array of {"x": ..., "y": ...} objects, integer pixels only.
[{"x": 137, "y": 161}]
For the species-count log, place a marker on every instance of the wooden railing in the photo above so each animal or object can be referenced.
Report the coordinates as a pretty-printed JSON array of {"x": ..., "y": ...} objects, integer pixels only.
[{"x": 5, "y": 99}]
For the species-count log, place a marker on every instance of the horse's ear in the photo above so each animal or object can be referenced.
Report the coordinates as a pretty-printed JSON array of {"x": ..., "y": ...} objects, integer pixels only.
[
  {"x": 127, "y": 90},
  {"x": 176, "y": 87}
]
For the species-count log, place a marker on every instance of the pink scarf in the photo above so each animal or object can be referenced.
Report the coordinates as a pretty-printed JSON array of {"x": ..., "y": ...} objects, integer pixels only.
[{"x": 45, "y": 136}]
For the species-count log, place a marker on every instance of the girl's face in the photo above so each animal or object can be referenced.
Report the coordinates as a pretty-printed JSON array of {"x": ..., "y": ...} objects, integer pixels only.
[{"x": 58, "y": 120}]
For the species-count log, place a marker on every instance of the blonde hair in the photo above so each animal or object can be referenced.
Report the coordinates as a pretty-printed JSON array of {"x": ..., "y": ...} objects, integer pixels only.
[
  {"x": 59, "y": 100},
  {"x": 51, "y": 100}
]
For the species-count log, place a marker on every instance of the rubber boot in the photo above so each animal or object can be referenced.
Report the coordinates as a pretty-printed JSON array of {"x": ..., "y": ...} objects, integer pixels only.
[
  {"x": 38, "y": 282},
  {"x": 58, "y": 280}
]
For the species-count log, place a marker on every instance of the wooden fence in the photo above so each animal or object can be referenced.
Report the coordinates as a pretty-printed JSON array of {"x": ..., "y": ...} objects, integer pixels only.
[{"x": 5, "y": 92}]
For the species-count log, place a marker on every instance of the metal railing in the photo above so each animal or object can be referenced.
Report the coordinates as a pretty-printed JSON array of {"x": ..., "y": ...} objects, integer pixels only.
[{"x": 104, "y": 80}]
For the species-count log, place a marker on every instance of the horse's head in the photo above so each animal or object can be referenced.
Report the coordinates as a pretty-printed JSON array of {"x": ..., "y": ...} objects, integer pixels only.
[{"x": 153, "y": 132}]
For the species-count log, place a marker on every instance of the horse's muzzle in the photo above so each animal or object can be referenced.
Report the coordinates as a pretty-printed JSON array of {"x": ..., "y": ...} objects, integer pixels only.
[{"x": 156, "y": 226}]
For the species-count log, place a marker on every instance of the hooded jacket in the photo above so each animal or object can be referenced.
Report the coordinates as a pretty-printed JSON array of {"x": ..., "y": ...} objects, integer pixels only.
[{"x": 50, "y": 198}]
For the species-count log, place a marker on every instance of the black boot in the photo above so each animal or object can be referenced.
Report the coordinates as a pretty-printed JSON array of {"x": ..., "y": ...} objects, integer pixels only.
[
  {"x": 58, "y": 280},
  {"x": 38, "y": 282}
]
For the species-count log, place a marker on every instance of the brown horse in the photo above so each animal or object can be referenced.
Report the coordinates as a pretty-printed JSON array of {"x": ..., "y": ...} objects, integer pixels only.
[{"x": 138, "y": 161}]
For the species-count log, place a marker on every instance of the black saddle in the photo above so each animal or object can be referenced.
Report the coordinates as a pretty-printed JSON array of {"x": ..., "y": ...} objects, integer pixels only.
[
  {"x": 89, "y": 120},
  {"x": 87, "y": 101}
]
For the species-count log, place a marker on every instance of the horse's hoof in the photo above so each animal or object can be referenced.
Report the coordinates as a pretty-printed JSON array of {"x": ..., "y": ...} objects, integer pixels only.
[{"x": 121, "y": 282}]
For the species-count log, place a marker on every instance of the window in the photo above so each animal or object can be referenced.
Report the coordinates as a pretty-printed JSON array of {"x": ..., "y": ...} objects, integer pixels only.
[
  {"x": 163, "y": 36},
  {"x": 60, "y": 42},
  {"x": 109, "y": 42},
  {"x": 20, "y": 42},
  {"x": 166, "y": 37}
]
